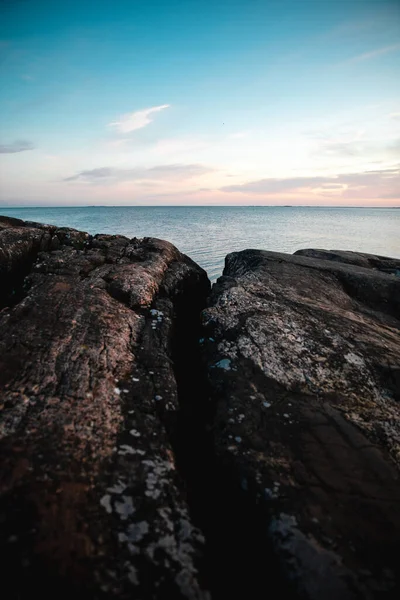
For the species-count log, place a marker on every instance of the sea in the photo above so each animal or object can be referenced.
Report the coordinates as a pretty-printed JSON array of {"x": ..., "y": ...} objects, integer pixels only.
[{"x": 207, "y": 234}]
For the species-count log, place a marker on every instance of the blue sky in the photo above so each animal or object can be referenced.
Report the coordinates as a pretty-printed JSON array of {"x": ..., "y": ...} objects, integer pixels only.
[{"x": 235, "y": 102}]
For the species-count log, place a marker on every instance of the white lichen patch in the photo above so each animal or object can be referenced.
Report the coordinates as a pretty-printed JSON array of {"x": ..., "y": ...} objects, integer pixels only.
[
  {"x": 157, "y": 478},
  {"x": 304, "y": 357},
  {"x": 134, "y": 432},
  {"x": 118, "y": 488},
  {"x": 137, "y": 531},
  {"x": 179, "y": 547},
  {"x": 133, "y": 575},
  {"x": 117, "y": 391},
  {"x": 355, "y": 359},
  {"x": 318, "y": 567},
  {"x": 124, "y": 507},
  {"x": 125, "y": 449},
  {"x": 173, "y": 542},
  {"x": 105, "y": 502},
  {"x": 271, "y": 494}
]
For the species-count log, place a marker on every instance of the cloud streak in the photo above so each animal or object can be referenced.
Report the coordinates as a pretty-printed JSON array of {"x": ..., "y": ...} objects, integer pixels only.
[
  {"x": 374, "y": 53},
  {"x": 381, "y": 181},
  {"x": 176, "y": 172},
  {"x": 17, "y": 146},
  {"x": 137, "y": 120}
]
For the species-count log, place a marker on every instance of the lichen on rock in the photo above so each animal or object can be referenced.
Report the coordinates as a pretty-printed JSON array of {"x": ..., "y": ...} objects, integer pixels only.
[
  {"x": 312, "y": 341},
  {"x": 88, "y": 485}
]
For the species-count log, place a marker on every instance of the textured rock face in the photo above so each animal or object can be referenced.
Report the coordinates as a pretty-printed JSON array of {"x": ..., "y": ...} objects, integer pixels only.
[
  {"x": 91, "y": 502},
  {"x": 286, "y": 446},
  {"x": 369, "y": 261},
  {"x": 303, "y": 360}
]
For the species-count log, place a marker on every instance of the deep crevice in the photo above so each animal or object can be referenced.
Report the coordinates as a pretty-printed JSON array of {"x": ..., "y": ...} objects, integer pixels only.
[
  {"x": 239, "y": 559},
  {"x": 13, "y": 283}
]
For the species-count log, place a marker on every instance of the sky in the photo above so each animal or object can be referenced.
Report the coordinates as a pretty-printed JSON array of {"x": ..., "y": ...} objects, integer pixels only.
[{"x": 187, "y": 102}]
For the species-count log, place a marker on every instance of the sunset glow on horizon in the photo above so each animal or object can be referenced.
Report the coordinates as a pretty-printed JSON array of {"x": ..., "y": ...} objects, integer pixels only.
[{"x": 192, "y": 103}]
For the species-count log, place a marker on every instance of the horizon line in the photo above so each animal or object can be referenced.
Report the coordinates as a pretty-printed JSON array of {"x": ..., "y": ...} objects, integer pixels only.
[{"x": 195, "y": 206}]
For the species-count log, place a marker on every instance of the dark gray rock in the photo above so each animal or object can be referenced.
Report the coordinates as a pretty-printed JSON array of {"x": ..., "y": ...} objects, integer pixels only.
[
  {"x": 303, "y": 361},
  {"x": 91, "y": 502},
  {"x": 360, "y": 259}
]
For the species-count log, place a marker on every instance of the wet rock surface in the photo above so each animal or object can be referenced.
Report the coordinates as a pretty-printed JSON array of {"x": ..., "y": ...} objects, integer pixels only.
[
  {"x": 303, "y": 360},
  {"x": 91, "y": 502}
]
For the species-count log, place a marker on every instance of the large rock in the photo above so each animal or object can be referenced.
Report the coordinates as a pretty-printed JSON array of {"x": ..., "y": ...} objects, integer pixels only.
[
  {"x": 360, "y": 259},
  {"x": 303, "y": 361},
  {"x": 91, "y": 502}
]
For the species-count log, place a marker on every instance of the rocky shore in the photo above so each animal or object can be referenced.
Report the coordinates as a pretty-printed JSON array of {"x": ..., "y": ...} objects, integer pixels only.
[{"x": 160, "y": 439}]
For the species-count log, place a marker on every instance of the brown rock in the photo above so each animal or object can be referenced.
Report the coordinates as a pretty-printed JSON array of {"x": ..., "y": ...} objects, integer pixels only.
[{"x": 91, "y": 502}]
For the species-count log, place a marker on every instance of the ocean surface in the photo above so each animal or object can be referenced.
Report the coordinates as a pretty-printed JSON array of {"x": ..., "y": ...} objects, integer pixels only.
[{"x": 207, "y": 234}]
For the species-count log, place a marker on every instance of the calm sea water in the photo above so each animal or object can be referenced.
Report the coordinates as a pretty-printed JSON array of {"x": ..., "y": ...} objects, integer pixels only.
[{"x": 207, "y": 234}]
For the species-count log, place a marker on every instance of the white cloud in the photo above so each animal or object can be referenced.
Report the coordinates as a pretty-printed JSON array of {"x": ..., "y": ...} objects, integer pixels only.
[
  {"x": 137, "y": 119},
  {"x": 395, "y": 116}
]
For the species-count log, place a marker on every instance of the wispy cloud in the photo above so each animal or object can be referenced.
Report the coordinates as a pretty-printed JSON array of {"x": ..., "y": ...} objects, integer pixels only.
[
  {"x": 349, "y": 144},
  {"x": 340, "y": 149},
  {"x": 158, "y": 173},
  {"x": 137, "y": 119},
  {"x": 375, "y": 53},
  {"x": 395, "y": 116},
  {"x": 270, "y": 185},
  {"x": 381, "y": 181},
  {"x": 17, "y": 146}
]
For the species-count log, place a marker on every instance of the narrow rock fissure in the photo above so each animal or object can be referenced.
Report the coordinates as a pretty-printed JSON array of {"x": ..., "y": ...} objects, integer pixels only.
[
  {"x": 239, "y": 559},
  {"x": 14, "y": 287}
]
